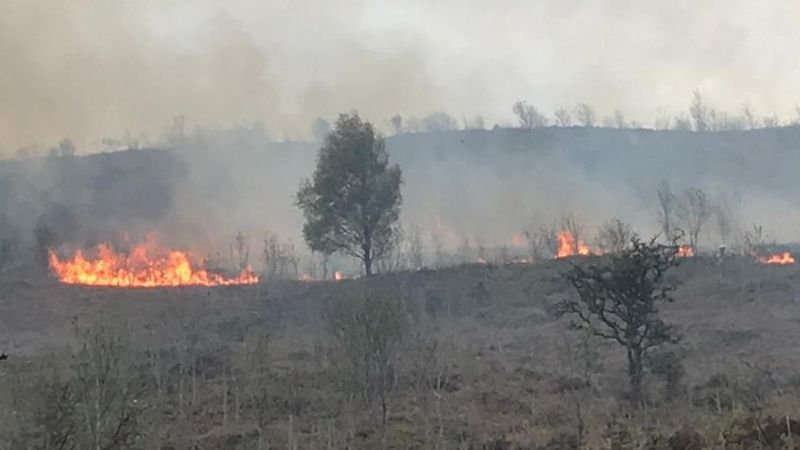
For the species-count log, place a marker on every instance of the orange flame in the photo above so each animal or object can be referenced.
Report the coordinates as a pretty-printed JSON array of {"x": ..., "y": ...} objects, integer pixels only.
[
  {"x": 139, "y": 269},
  {"x": 338, "y": 276},
  {"x": 781, "y": 259},
  {"x": 685, "y": 251},
  {"x": 569, "y": 246}
]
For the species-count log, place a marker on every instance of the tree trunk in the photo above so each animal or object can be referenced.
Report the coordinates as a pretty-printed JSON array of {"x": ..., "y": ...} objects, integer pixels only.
[
  {"x": 366, "y": 249},
  {"x": 635, "y": 374},
  {"x": 367, "y": 260}
]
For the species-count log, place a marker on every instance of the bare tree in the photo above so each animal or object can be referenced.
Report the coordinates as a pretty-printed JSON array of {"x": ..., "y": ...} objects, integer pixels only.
[
  {"x": 369, "y": 329},
  {"x": 721, "y": 121},
  {"x": 464, "y": 252},
  {"x": 440, "y": 256},
  {"x": 107, "y": 393},
  {"x": 394, "y": 258},
  {"x": 240, "y": 252},
  {"x": 772, "y": 121},
  {"x": 476, "y": 123},
  {"x": 715, "y": 120},
  {"x": 66, "y": 148},
  {"x": 754, "y": 240},
  {"x": 542, "y": 242},
  {"x": 750, "y": 120},
  {"x": 585, "y": 115},
  {"x": 663, "y": 122},
  {"x": 438, "y": 121},
  {"x": 574, "y": 226},
  {"x": 723, "y": 222},
  {"x": 619, "y": 120},
  {"x": 416, "y": 249},
  {"x": 614, "y": 235},
  {"x": 620, "y": 301},
  {"x": 528, "y": 115},
  {"x": 44, "y": 238},
  {"x": 723, "y": 219},
  {"x": 694, "y": 209},
  {"x": 563, "y": 118},
  {"x": 548, "y": 236},
  {"x": 280, "y": 259},
  {"x": 53, "y": 412},
  {"x": 699, "y": 112},
  {"x": 667, "y": 205},
  {"x": 682, "y": 123},
  {"x": 396, "y": 123}
]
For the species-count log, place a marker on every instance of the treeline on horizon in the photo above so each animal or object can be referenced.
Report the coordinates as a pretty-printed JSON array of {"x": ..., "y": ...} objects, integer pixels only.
[{"x": 700, "y": 116}]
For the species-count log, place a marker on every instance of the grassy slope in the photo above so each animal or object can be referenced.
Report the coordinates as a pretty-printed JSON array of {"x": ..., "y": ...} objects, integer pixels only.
[{"x": 509, "y": 368}]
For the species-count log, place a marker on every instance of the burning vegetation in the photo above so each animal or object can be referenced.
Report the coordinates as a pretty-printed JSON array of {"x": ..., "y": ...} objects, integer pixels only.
[
  {"x": 569, "y": 245},
  {"x": 781, "y": 259},
  {"x": 141, "y": 267}
]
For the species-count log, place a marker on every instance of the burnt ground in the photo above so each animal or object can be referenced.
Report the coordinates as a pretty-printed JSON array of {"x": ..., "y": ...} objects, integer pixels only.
[{"x": 508, "y": 372}]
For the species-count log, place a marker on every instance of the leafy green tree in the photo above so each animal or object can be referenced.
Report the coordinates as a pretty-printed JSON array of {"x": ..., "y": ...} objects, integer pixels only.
[
  {"x": 619, "y": 302},
  {"x": 352, "y": 203}
]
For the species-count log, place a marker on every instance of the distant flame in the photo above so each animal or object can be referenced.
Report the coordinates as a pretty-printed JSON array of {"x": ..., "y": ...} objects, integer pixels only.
[
  {"x": 685, "y": 251},
  {"x": 569, "y": 246},
  {"x": 338, "y": 276},
  {"x": 140, "y": 268},
  {"x": 780, "y": 259},
  {"x": 518, "y": 239}
]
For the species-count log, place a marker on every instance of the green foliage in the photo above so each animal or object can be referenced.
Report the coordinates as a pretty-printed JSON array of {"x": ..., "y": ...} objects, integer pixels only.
[
  {"x": 620, "y": 301},
  {"x": 352, "y": 203}
]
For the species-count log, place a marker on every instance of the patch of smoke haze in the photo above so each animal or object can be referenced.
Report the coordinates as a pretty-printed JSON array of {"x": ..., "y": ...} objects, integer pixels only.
[{"x": 89, "y": 69}]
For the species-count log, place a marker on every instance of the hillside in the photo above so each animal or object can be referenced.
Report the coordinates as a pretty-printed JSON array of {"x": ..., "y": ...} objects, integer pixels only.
[
  {"x": 484, "y": 363},
  {"x": 477, "y": 184}
]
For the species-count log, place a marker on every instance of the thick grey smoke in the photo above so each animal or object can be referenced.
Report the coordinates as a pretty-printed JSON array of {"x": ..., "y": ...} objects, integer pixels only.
[
  {"x": 90, "y": 69},
  {"x": 249, "y": 78}
]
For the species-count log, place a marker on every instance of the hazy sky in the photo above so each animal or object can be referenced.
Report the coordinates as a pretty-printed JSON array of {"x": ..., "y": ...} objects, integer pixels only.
[{"x": 92, "y": 69}]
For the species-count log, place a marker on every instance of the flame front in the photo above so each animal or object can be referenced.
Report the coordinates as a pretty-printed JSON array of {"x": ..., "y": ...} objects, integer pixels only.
[
  {"x": 780, "y": 259},
  {"x": 569, "y": 246},
  {"x": 685, "y": 251},
  {"x": 139, "y": 269}
]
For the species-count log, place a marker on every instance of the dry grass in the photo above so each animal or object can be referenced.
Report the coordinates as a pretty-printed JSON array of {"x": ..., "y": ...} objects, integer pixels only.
[{"x": 485, "y": 365}]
